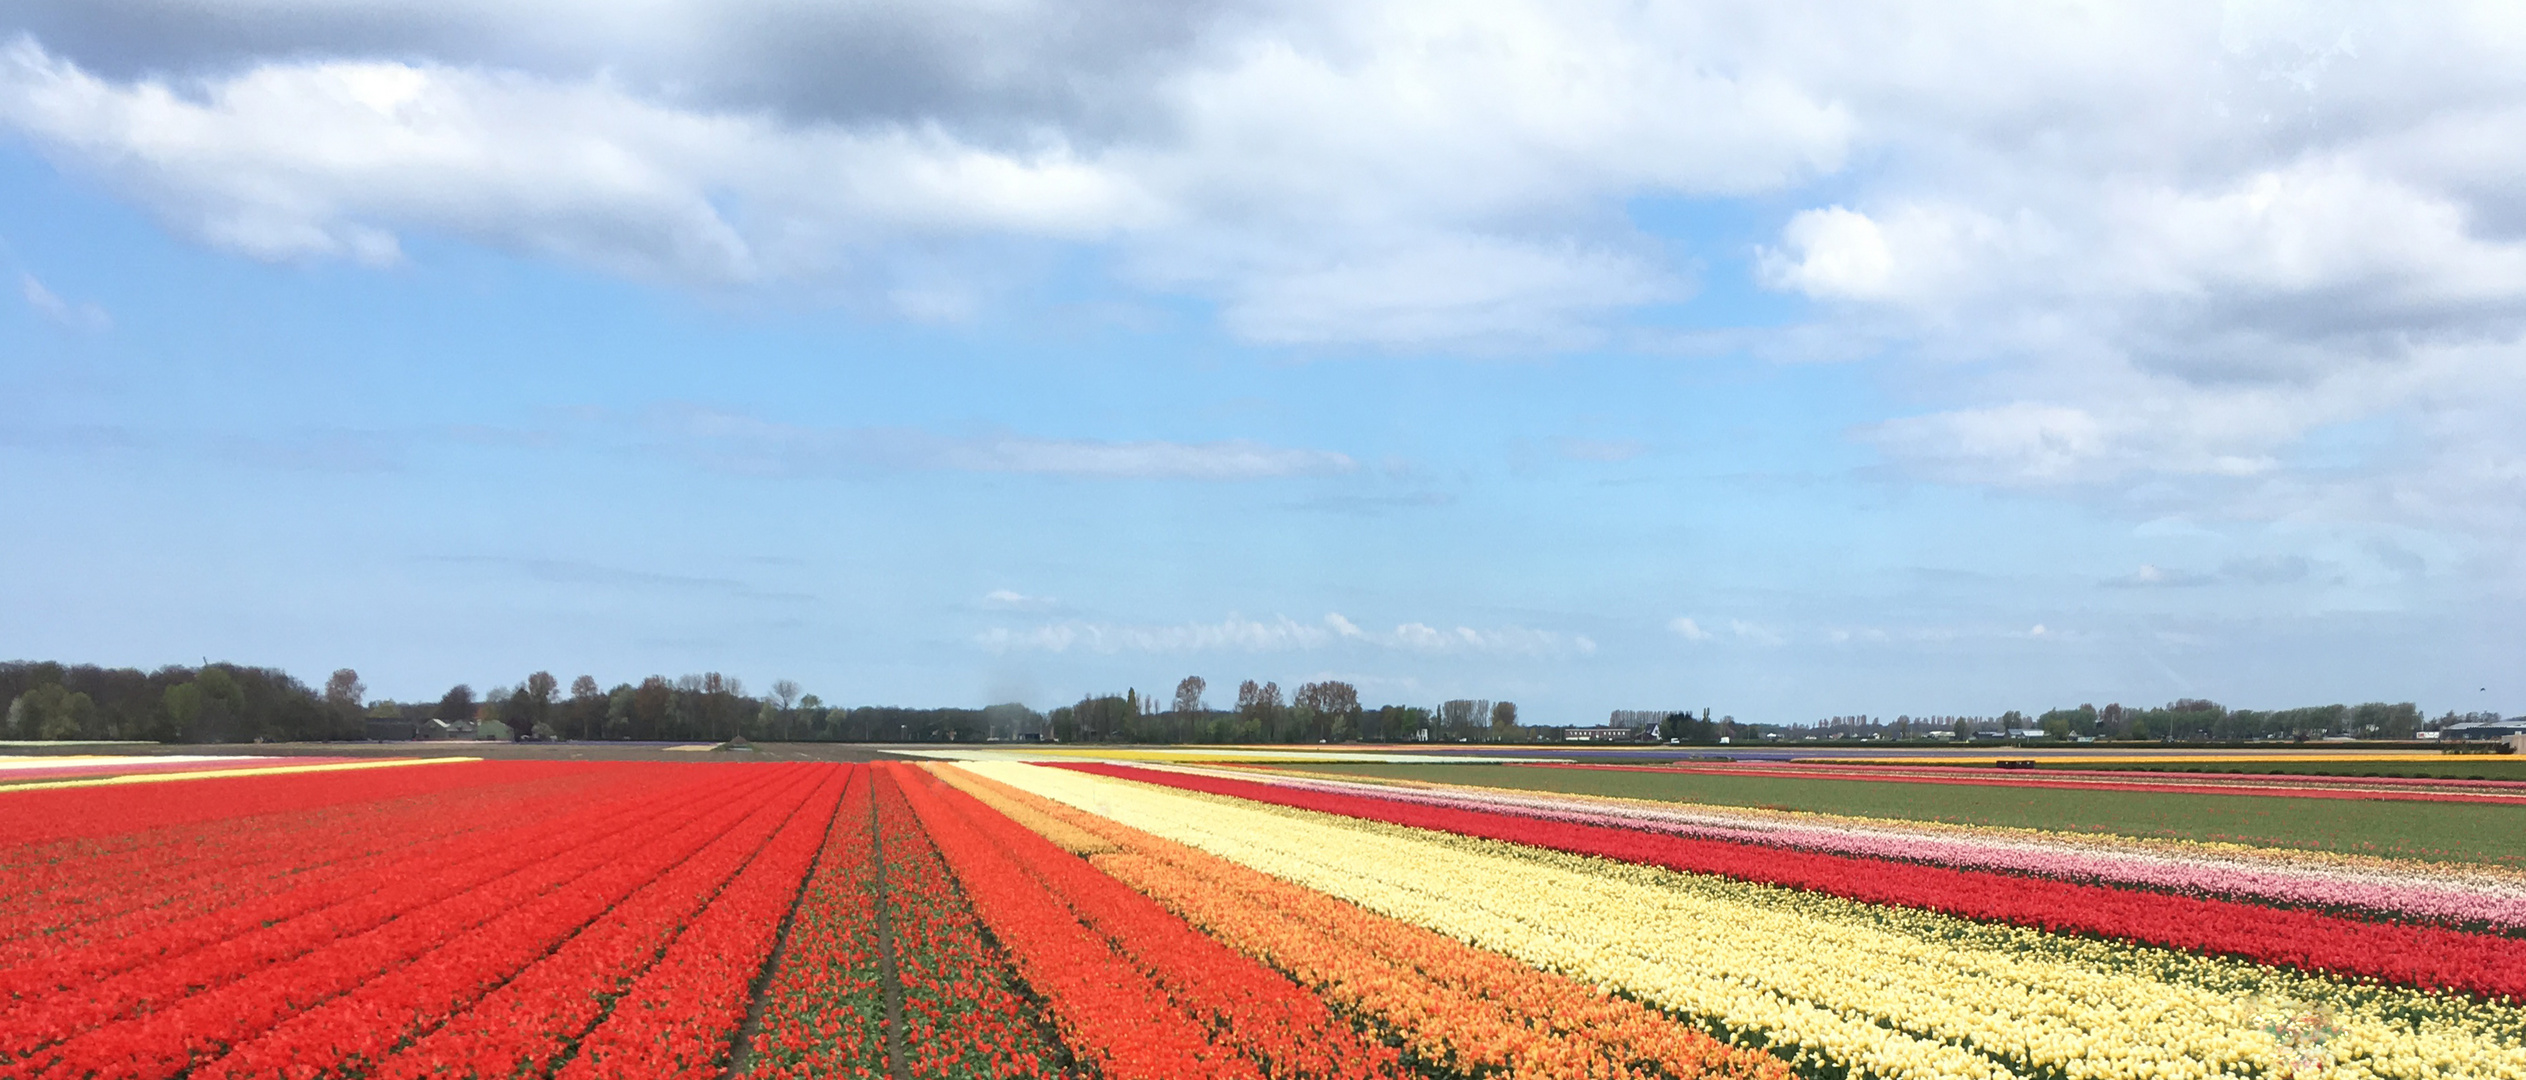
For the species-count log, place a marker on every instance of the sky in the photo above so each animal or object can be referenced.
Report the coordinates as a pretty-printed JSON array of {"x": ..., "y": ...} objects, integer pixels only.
[{"x": 1785, "y": 359}]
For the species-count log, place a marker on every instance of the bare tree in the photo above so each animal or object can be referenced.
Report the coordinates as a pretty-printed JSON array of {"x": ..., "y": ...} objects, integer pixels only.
[
  {"x": 587, "y": 708},
  {"x": 1331, "y": 698},
  {"x": 1341, "y": 697},
  {"x": 785, "y": 693},
  {"x": 539, "y": 691},
  {"x": 1267, "y": 703},
  {"x": 344, "y": 691},
  {"x": 1188, "y": 694},
  {"x": 1464, "y": 717}
]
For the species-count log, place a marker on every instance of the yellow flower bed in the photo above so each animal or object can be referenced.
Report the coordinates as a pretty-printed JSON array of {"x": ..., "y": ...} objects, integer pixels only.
[{"x": 1825, "y": 981}]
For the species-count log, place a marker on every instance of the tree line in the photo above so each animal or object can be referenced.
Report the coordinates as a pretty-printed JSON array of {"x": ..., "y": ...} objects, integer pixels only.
[
  {"x": 2183, "y": 720},
  {"x": 708, "y": 706},
  {"x": 222, "y": 702},
  {"x": 210, "y": 703},
  {"x": 1328, "y": 711}
]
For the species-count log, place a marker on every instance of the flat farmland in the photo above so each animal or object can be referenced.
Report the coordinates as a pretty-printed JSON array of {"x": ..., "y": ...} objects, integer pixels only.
[
  {"x": 2415, "y": 829},
  {"x": 779, "y": 916}
]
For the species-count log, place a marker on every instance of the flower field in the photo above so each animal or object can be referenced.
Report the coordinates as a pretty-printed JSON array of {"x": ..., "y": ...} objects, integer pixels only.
[{"x": 998, "y": 918}]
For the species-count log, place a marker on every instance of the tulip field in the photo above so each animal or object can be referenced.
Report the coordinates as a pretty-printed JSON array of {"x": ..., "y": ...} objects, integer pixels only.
[{"x": 1041, "y": 916}]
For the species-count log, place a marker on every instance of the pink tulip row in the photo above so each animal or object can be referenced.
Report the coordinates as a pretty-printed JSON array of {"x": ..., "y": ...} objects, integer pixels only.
[{"x": 2269, "y": 876}]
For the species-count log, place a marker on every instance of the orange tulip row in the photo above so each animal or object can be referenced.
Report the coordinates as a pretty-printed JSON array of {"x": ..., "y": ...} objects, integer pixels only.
[{"x": 1453, "y": 1007}]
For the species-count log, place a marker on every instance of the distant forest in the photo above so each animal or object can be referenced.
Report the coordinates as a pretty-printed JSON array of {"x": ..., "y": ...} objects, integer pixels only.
[{"x": 235, "y": 703}]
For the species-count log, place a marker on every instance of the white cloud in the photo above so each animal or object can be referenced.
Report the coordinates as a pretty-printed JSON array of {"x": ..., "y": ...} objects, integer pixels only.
[
  {"x": 2146, "y": 246},
  {"x": 1607, "y": 450},
  {"x": 83, "y": 316},
  {"x": 1282, "y": 634},
  {"x": 333, "y": 158},
  {"x": 1839, "y": 253},
  {"x": 1755, "y": 632},
  {"x": 737, "y": 442},
  {"x": 2151, "y": 576},
  {"x": 1409, "y": 173},
  {"x": 1012, "y": 600}
]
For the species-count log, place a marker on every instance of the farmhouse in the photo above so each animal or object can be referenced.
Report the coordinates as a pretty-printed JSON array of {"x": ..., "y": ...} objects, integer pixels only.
[
  {"x": 1607, "y": 733},
  {"x": 2483, "y": 730}
]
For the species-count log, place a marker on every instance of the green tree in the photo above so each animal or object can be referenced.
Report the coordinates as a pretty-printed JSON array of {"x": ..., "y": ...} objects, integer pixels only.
[
  {"x": 520, "y": 712},
  {"x": 184, "y": 704},
  {"x": 51, "y": 712},
  {"x": 618, "y": 711}
]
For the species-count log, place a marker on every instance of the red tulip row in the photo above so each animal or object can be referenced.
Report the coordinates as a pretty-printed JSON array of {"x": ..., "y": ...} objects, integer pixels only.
[
  {"x": 62, "y": 886},
  {"x": 824, "y": 1011},
  {"x": 2428, "y": 957},
  {"x": 151, "y": 974},
  {"x": 388, "y": 930},
  {"x": 962, "y": 1016},
  {"x": 263, "y": 923},
  {"x": 679, "y": 1019},
  {"x": 539, "y": 1017},
  {"x": 101, "y": 820},
  {"x": 347, "y": 1035},
  {"x": 1134, "y": 990}
]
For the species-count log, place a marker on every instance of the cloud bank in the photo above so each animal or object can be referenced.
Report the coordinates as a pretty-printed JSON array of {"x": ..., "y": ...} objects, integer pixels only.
[
  {"x": 1282, "y": 634},
  {"x": 2159, "y": 255}
]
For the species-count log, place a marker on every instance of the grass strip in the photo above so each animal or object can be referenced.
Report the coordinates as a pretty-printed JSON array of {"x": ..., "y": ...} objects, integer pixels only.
[{"x": 2457, "y": 832}]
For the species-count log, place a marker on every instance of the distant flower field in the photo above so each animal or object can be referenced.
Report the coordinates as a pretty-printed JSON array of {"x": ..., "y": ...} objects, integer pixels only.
[{"x": 1008, "y": 918}]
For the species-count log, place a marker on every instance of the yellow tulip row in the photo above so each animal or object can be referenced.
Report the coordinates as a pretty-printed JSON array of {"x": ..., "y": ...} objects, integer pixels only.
[
  {"x": 1833, "y": 984},
  {"x": 1455, "y": 1008}
]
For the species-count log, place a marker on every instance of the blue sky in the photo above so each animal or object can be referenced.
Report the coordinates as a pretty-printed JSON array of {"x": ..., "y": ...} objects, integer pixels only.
[{"x": 1590, "y": 357}]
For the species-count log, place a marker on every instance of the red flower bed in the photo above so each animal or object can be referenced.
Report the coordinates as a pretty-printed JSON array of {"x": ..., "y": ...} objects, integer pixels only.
[
  {"x": 352, "y": 1032},
  {"x": 1110, "y": 1013},
  {"x": 107, "y": 819},
  {"x": 297, "y": 912},
  {"x": 824, "y": 1011},
  {"x": 679, "y": 1019},
  {"x": 61, "y": 888},
  {"x": 1136, "y": 990},
  {"x": 59, "y": 905},
  {"x": 537, "y": 1018},
  {"x": 325, "y": 956},
  {"x": 2412, "y": 955},
  {"x": 962, "y": 1016},
  {"x": 270, "y": 947}
]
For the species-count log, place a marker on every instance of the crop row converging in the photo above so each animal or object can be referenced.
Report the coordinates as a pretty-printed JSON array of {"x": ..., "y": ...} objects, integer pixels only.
[{"x": 989, "y": 919}]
